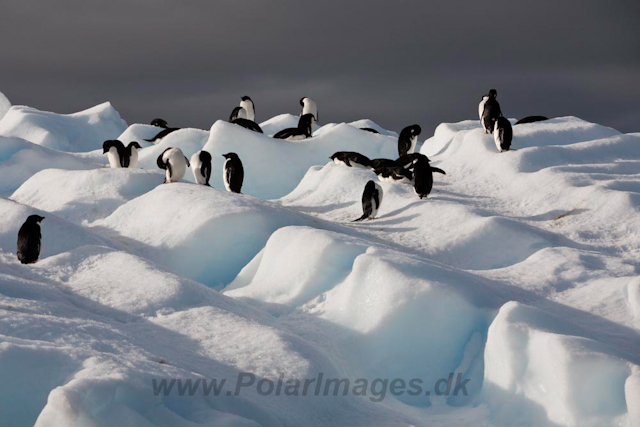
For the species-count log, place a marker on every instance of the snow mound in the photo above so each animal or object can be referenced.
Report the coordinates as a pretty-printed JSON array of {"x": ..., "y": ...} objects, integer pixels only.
[
  {"x": 80, "y": 196},
  {"x": 550, "y": 374},
  {"x": 200, "y": 232},
  {"x": 58, "y": 235},
  {"x": 20, "y": 159},
  {"x": 5, "y": 105},
  {"x": 77, "y": 132},
  {"x": 139, "y": 132}
]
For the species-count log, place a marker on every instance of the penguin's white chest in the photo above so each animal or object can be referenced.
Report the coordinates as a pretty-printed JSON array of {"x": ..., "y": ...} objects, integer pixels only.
[
  {"x": 227, "y": 185},
  {"x": 250, "y": 112},
  {"x": 133, "y": 161},
  {"x": 481, "y": 106},
  {"x": 114, "y": 158},
  {"x": 497, "y": 136},
  {"x": 414, "y": 141},
  {"x": 196, "y": 168}
]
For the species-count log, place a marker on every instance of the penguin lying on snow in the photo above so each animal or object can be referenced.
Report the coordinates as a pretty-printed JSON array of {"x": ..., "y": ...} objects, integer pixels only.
[
  {"x": 232, "y": 173},
  {"x": 201, "y": 167},
  {"x": 249, "y": 108},
  {"x": 390, "y": 170},
  {"x": 491, "y": 111},
  {"x": 247, "y": 124},
  {"x": 30, "y": 240},
  {"x": 174, "y": 162},
  {"x": 116, "y": 153},
  {"x": 372, "y": 130},
  {"x": 423, "y": 176},
  {"x": 502, "y": 134},
  {"x": 371, "y": 199},
  {"x": 408, "y": 139},
  {"x": 303, "y": 131},
  {"x": 161, "y": 123},
  {"x": 309, "y": 106},
  {"x": 164, "y": 132},
  {"x": 531, "y": 119},
  {"x": 351, "y": 158}
]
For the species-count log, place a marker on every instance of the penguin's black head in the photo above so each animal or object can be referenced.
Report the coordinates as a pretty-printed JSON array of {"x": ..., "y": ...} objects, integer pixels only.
[
  {"x": 230, "y": 156},
  {"x": 112, "y": 143},
  {"x": 493, "y": 93},
  {"x": 35, "y": 219},
  {"x": 334, "y": 155},
  {"x": 160, "y": 123},
  {"x": 415, "y": 130},
  {"x": 246, "y": 98},
  {"x": 133, "y": 144}
]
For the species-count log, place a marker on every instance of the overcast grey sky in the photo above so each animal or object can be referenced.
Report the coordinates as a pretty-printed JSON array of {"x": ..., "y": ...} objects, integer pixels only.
[{"x": 395, "y": 62}]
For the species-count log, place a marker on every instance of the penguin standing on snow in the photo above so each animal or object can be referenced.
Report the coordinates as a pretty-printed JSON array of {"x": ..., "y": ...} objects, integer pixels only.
[
  {"x": 502, "y": 134},
  {"x": 423, "y": 176},
  {"x": 351, "y": 158},
  {"x": 490, "y": 111},
  {"x": 371, "y": 199},
  {"x": 174, "y": 162},
  {"x": 116, "y": 153},
  {"x": 30, "y": 240},
  {"x": 407, "y": 139},
  {"x": 309, "y": 106},
  {"x": 131, "y": 161},
  {"x": 249, "y": 107},
  {"x": 201, "y": 167},
  {"x": 303, "y": 131},
  {"x": 232, "y": 173}
]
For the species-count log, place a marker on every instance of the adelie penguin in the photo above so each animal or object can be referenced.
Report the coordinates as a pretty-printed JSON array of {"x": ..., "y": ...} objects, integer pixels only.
[
  {"x": 490, "y": 111},
  {"x": 132, "y": 155},
  {"x": 30, "y": 240},
  {"x": 370, "y": 130},
  {"x": 371, "y": 200},
  {"x": 303, "y": 131},
  {"x": 166, "y": 130},
  {"x": 531, "y": 119},
  {"x": 408, "y": 139},
  {"x": 238, "y": 113},
  {"x": 309, "y": 106},
  {"x": 249, "y": 107},
  {"x": 351, "y": 158},
  {"x": 232, "y": 173},
  {"x": 116, "y": 153},
  {"x": 247, "y": 124},
  {"x": 390, "y": 170},
  {"x": 502, "y": 134},
  {"x": 201, "y": 167},
  {"x": 174, "y": 163},
  {"x": 423, "y": 176}
]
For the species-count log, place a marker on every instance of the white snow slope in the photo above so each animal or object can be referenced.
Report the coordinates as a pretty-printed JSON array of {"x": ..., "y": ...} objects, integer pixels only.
[{"x": 519, "y": 276}]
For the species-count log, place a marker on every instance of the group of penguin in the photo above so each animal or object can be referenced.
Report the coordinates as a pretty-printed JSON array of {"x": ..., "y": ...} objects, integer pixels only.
[{"x": 409, "y": 167}]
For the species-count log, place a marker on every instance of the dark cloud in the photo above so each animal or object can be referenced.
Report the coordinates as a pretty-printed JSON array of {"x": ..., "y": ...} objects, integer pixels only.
[{"x": 397, "y": 62}]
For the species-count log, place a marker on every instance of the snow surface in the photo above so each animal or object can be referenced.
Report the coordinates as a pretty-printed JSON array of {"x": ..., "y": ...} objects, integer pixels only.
[{"x": 519, "y": 273}]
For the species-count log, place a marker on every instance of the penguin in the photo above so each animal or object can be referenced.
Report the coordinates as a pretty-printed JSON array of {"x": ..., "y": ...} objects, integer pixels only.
[
  {"x": 238, "y": 113},
  {"x": 201, "y": 167},
  {"x": 161, "y": 123},
  {"x": 371, "y": 199},
  {"x": 372, "y": 130},
  {"x": 247, "y": 124},
  {"x": 382, "y": 163},
  {"x": 423, "y": 176},
  {"x": 491, "y": 111},
  {"x": 408, "y": 160},
  {"x": 232, "y": 173},
  {"x": 350, "y": 158},
  {"x": 394, "y": 174},
  {"x": 502, "y": 134},
  {"x": 309, "y": 106},
  {"x": 174, "y": 162},
  {"x": 30, "y": 240},
  {"x": 249, "y": 107},
  {"x": 116, "y": 153},
  {"x": 531, "y": 119},
  {"x": 407, "y": 139},
  {"x": 303, "y": 131},
  {"x": 481, "y": 105},
  {"x": 131, "y": 161}
]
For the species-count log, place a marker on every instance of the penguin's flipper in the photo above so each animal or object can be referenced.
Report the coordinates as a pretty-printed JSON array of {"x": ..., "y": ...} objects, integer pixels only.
[
  {"x": 347, "y": 162},
  {"x": 206, "y": 172},
  {"x": 438, "y": 170},
  {"x": 187, "y": 160},
  {"x": 376, "y": 199},
  {"x": 160, "y": 162}
]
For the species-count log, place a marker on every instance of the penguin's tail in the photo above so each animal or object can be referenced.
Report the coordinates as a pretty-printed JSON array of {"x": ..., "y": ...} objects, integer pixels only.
[{"x": 364, "y": 216}]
